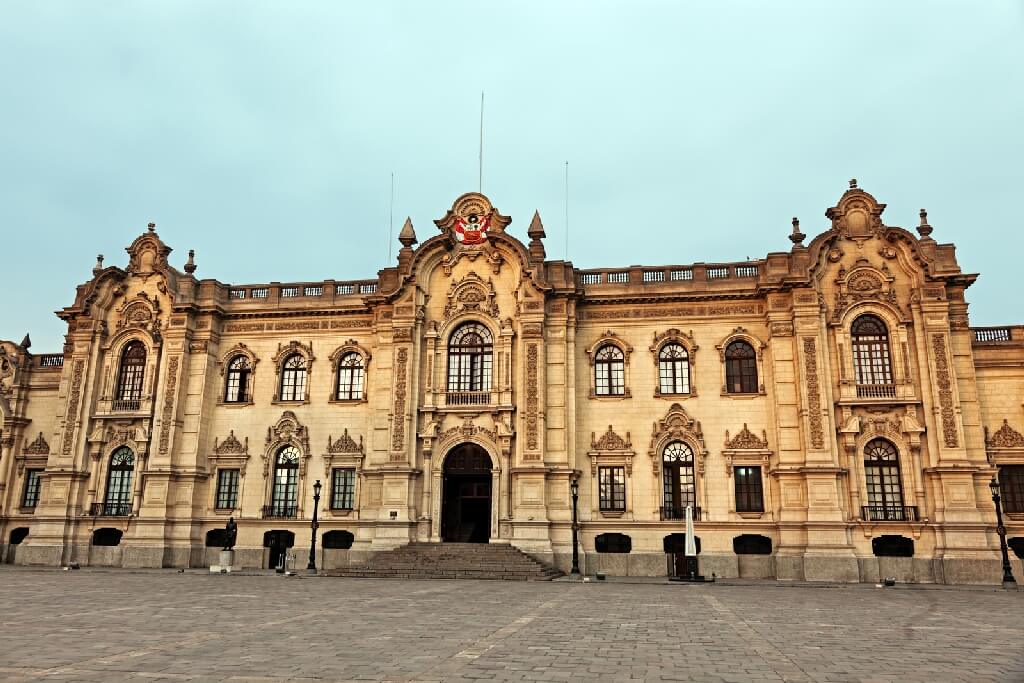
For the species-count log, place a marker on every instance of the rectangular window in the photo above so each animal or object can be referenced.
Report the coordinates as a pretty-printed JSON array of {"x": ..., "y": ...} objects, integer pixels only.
[
  {"x": 343, "y": 488},
  {"x": 32, "y": 481},
  {"x": 611, "y": 485},
  {"x": 749, "y": 495},
  {"x": 227, "y": 489},
  {"x": 1011, "y": 487}
]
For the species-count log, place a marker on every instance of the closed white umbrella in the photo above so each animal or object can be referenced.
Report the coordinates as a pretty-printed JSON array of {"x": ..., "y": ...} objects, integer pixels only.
[{"x": 691, "y": 544}]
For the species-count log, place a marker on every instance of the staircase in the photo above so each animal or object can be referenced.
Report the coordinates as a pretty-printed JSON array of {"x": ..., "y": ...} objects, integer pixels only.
[{"x": 452, "y": 561}]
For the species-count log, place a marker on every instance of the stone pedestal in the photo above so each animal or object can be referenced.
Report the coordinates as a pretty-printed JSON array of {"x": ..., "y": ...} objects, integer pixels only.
[{"x": 226, "y": 563}]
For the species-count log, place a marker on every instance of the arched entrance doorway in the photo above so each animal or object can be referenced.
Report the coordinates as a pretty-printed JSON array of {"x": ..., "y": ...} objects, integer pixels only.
[{"x": 466, "y": 505}]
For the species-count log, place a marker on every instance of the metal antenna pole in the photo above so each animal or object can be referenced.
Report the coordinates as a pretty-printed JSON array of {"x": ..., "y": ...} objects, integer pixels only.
[
  {"x": 480, "y": 177},
  {"x": 391, "y": 218},
  {"x": 566, "y": 210}
]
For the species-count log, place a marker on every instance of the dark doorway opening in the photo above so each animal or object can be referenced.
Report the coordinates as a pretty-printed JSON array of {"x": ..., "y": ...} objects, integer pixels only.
[
  {"x": 466, "y": 504},
  {"x": 279, "y": 541}
]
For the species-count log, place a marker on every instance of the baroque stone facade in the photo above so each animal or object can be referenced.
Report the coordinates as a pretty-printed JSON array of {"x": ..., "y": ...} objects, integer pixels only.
[{"x": 853, "y": 419}]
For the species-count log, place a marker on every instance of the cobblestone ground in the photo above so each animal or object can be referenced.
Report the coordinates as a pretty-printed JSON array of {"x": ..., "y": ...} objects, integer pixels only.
[{"x": 164, "y": 626}]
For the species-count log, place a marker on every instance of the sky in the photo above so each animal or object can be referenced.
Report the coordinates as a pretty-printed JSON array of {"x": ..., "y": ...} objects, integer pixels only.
[{"x": 264, "y": 135}]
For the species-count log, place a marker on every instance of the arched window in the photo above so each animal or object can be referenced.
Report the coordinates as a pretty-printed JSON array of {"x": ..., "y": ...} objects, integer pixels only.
[
  {"x": 285, "y": 494},
  {"x": 678, "y": 480},
  {"x": 236, "y": 389},
  {"x": 469, "y": 358},
  {"x": 119, "y": 482},
  {"x": 350, "y": 377},
  {"x": 870, "y": 342},
  {"x": 609, "y": 371},
  {"x": 673, "y": 369},
  {"x": 882, "y": 474},
  {"x": 130, "y": 373},
  {"x": 740, "y": 368},
  {"x": 293, "y": 378}
]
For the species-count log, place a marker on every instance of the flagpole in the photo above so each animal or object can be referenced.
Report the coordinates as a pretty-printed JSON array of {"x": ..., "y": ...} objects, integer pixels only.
[
  {"x": 391, "y": 217},
  {"x": 480, "y": 177}
]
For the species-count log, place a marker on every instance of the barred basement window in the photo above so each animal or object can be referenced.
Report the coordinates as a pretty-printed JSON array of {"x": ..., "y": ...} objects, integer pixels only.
[
  {"x": 681, "y": 274},
  {"x": 749, "y": 494},
  {"x": 31, "y": 496},
  {"x": 1011, "y": 486},
  {"x": 227, "y": 489},
  {"x": 287, "y": 292},
  {"x": 343, "y": 488},
  {"x": 344, "y": 289},
  {"x": 590, "y": 278},
  {"x": 611, "y": 485},
  {"x": 618, "y": 278},
  {"x": 338, "y": 540},
  {"x": 215, "y": 538},
  {"x": 613, "y": 543},
  {"x": 609, "y": 371},
  {"x": 752, "y": 544}
]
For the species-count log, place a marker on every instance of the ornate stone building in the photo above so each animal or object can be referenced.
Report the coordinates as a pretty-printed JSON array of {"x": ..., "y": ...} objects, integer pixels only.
[{"x": 826, "y": 411}]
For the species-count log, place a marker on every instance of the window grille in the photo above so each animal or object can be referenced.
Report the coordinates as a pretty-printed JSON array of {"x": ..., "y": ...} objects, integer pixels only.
[
  {"x": 673, "y": 369},
  {"x": 679, "y": 484},
  {"x": 609, "y": 371},
  {"x": 32, "y": 481},
  {"x": 1011, "y": 485},
  {"x": 470, "y": 351},
  {"x": 284, "y": 496},
  {"x": 350, "y": 377},
  {"x": 740, "y": 368},
  {"x": 293, "y": 378},
  {"x": 871, "y": 362},
  {"x": 236, "y": 387}
]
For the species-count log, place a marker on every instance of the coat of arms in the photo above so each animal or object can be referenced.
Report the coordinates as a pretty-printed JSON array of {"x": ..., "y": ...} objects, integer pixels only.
[{"x": 472, "y": 229}]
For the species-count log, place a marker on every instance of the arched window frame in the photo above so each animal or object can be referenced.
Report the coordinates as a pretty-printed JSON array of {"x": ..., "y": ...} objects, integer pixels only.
[
  {"x": 671, "y": 452},
  {"x": 609, "y": 338},
  {"x": 287, "y": 431},
  {"x": 481, "y": 381},
  {"x": 872, "y": 353},
  {"x": 281, "y": 358},
  {"x": 236, "y": 351},
  {"x": 337, "y": 358},
  {"x": 674, "y": 336},
  {"x": 899, "y": 353},
  {"x": 285, "y": 484},
  {"x": 120, "y": 480},
  {"x": 131, "y": 375},
  {"x": 890, "y": 506},
  {"x": 741, "y": 334}
]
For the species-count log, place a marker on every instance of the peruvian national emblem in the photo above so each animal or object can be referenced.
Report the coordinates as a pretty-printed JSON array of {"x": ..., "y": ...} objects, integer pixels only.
[{"x": 472, "y": 229}]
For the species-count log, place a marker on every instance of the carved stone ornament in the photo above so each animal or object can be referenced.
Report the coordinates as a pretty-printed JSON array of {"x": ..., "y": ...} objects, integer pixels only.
[
  {"x": 466, "y": 430},
  {"x": 344, "y": 444},
  {"x": 1004, "y": 437},
  {"x": 864, "y": 282},
  {"x": 746, "y": 440},
  {"x": 287, "y": 431},
  {"x": 141, "y": 312},
  {"x": 471, "y": 294},
  {"x": 231, "y": 445},
  {"x": 610, "y": 441},
  {"x": 471, "y": 224},
  {"x": 37, "y": 447},
  {"x": 285, "y": 350},
  {"x": 238, "y": 349},
  {"x": 677, "y": 424},
  {"x": 858, "y": 216}
]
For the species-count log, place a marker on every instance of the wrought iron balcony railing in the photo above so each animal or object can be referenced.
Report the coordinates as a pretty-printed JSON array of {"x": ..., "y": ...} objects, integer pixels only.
[
  {"x": 889, "y": 513},
  {"x": 468, "y": 398},
  {"x": 876, "y": 391},
  {"x": 125, "y": 405},
  {"x": 280, "y": 511},
  {"x": 668, "y": 513},
  {"x": 111, "y": 509}
]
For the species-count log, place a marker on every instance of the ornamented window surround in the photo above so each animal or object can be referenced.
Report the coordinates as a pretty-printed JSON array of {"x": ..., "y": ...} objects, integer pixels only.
[
  {"x": 899, "y": 352},
  {"x": 350, "y": 346},
  {"x": 611, "y": 450},
  {"x": 742, "y": 334},
  {"x": 344, "y": 452},
  {"x": 284, "y": 351},
  {"x": 1005, "y": 446},
  {"x": 609, "y": 337},
  {"x": 112, "y": 352},
  {"x": 746, "y": 449},
  {"x": 675, "y": 336},
  {"x": 287, "y": 431},
  {"x": 677, "y": 425},
  {"x": 103, "y": 483},
  {"x": 239, "y": 349},
  {"x": 33, "y": 456},
  {"x": 229, "y": 454},
  {"x": 437, "y": 337},
  {"x": 907, "y": 476}
]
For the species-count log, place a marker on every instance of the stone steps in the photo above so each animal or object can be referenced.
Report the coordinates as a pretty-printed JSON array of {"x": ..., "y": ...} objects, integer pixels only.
[{"x": 452, "y": 561}]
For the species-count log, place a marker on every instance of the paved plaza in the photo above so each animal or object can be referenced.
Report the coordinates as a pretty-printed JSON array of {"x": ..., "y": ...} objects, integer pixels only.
[{"x": 168, "y": 626}]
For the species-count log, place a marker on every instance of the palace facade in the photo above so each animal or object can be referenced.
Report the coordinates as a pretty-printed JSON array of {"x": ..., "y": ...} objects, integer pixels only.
[{"x": 826, "y": 412}]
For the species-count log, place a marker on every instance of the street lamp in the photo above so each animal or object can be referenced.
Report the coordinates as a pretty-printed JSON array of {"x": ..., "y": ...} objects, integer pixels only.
[
  {"x": 1008, "y": 580},
  {"x": 574, "y": 489},
  {"x": 311, "y": 567}
]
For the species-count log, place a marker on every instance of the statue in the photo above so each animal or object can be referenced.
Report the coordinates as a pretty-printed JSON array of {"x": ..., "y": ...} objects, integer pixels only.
[{"x": 230, "y": 534}]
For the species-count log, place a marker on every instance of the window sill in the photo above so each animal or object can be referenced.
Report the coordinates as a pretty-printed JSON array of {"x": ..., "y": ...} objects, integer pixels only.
[
  {"x": 743, "y": 396},
  {"x": 751, "y": 515},
  {"x": 340, "y": 512},
  {"x": 612, "y": 513},
  {"x": 234, "y": 404},
  {"x": 675, "y": 397},
  {"x": 25, "y": 510},
  {"x": 1015, "y": 516},
  {"x": 279, "y": 402},
  {"x": 347, "y": 401},
  {"x": 609, "y": 397},
  {"x": 224, "y": 511}
]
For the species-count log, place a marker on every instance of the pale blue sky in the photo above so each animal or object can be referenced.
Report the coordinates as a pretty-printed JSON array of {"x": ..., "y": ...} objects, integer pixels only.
[{"x": 263, "y": 135}]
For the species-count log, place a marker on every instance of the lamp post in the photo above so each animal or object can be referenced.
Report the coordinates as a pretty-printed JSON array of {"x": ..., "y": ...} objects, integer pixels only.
[
  {"x": 1008, "y": 580},
  {"x": 311, "y": 567},
  {"x": 574, "y": 489}
]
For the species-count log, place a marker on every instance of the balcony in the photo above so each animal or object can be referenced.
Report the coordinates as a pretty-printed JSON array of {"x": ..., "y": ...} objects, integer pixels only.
[
  {"x": 673, "y": 513},
  {"x": 128, "y": 405},
  {"x": 876, "y": 391},
  {"x": 889, "y": 513},
  {"x": 279, "y": 511},
  {"x": 111, "y": 509},
  {"x": 468, "y": 398}
]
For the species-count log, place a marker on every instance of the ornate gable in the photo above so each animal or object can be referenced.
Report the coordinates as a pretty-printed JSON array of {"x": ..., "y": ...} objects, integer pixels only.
[
  {"x": 746, "y": 440},
  {"x": 864, "y": 282},
  {"x": 677, "y": 424},
  {"x": 37, "y": 447},
  {"x": 287, "y": 431},
  {"x": 139, "y": 312},
  {"x": 344, "y": 444},
  {"x": 231, "y": 445},
  {"x": 611, "y": 449},
  {"x": 1004, "y": 437},
  {"x": 610, "y": 441}
]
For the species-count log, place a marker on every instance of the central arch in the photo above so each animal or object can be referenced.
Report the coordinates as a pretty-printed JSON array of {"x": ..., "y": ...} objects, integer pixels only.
[{"x": 466, "y": 502}]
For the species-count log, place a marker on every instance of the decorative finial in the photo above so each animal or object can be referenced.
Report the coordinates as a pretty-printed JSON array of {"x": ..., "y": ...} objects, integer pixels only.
[
  {"x": 190, "y": 265},
  {"x": 152, "y": 227},
  {"x": 26, "y": 342},
  {"x": 797, "y": 237},
  {"x": 853, "y": 183},
  {"x": 536, "y": 229},
  {"x": 99, "y": 265},
  {"x": 407, "y": 236},
  {"x": 924, "y": 229}
]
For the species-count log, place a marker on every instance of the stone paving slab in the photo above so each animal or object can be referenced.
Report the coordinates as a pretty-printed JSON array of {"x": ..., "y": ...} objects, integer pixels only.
[{"x": 164, "y": 626}]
